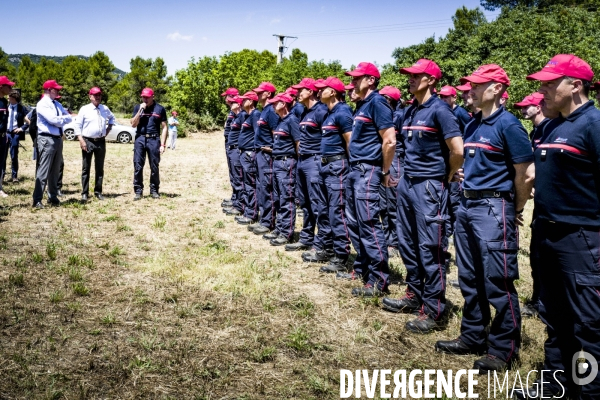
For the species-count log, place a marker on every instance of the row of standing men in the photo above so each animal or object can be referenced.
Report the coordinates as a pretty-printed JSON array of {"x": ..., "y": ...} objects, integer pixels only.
[{"x": 383, "y": 176}]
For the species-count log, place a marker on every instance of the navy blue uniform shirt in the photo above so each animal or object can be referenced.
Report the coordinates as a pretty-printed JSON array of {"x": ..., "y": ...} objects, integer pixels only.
[
  {"x": 492, "y": 146},
  {"x": 228, "y": 121},
  {"x": 337, "y": 122},
  {"x": 267, "y": 123},
  {"x": 537, "y": 132},
  {"x": 310, "y": 128},
  {"x": 567, "y": 173},
  {"x": 398, "y": 117},
  {"x": 425, "y": 129},
  {"x": 249, "y": 127},
  {"x": 462, "y": 117},
  {"x": 236, "y": 128},
  {"x": 150, "y": 120},
  {"x": 298, "y": 110},
  {"x": 372, "y": 115},
  {"x": 285, "y": 136},
  {"x": 4, "y": 115}
]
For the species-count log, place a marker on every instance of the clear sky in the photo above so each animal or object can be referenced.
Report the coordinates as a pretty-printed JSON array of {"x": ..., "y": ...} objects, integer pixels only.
[{"x": 176, "y": 30}]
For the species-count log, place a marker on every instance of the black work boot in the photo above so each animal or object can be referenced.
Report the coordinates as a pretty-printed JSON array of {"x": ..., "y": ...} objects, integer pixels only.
[
  {"x": 298, "y": 246},
  {"x": 233, "y": 211},
  {"x": 271, "y": 236},
  {"x": 279, "y": 241},
  {"x": 405, "y": 304},
  {"x": 368, "y": 291},
  {"x": 244, "y": 221},
  {"x": 423, "y": 324},
  {"x": 318, "y": 256},
  {"x": 539, "y": 391},
  {"x": 529, "y": 311},
  {"x": 489, "y": 363},
  {"x": 252, "y": 227},
  {"x": 457, "y": 346},
  {"x": 226, "y": 203},
  {"x": 337, "y": 264},
  {"x": 261, "y": 230}
]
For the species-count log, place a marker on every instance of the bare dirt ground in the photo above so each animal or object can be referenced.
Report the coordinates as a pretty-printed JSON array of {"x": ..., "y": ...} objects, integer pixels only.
[{"x": 170, "y": 298}]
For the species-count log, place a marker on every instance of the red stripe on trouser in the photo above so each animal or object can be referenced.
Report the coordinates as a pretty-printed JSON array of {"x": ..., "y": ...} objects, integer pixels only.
[
  {"x": 512, "y": 310},
  {"x": 342, "y": 209},
  {"x": 271, "y": 194},
  {"x": 292, "y": 212},
  {"x": 241, "y": 174},
  {"x": 255, "y": 214}
]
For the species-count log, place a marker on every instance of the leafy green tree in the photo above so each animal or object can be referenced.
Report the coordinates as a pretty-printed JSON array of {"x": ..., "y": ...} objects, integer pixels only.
[
  {"x": 25, "y": 76},
  {"x": 5, "y": 66},
  {"x": 101, "y": 74},
  {"x": 495, "y": 4},
  {"x": 74, "y": 74}
]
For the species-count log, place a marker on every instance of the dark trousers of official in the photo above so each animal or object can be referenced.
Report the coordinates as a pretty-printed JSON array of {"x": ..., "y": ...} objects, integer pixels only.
[
  {"x": 364, "y": 225},
  {"x": 454, "y": 196},
  {"x": 238, "y": 178},
  {"x": 534, "y": 262},
  {"x": 267, "y": 198},
  {"x": 285, "y": 192},
  {"x": 332, "y": 220},
  {"x": 229, "y": 169},
  {"x": 97, "y": 150},
  {"x": 570, "y": 299},
  {"x": 249, "y": 200},
  {"x": 13, "y": 139},
  {"x": 4, "y": 146},
  {"x": 389, "y": 205},
  {"x": 50, "y": 157},
  {"x": 307, "y": 185},
  {"x": 486, "y": 241},
  {"x": 422, "y": 215},
  {"x": 146, "y": 146}
]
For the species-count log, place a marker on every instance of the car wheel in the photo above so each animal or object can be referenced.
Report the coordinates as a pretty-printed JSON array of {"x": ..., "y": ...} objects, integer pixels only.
[
  {"x": 70, "y": 134},
  {"x": 124, "y": 137}
]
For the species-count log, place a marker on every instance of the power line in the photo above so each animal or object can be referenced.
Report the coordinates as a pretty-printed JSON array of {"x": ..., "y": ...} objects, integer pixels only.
[{"x": 446, "y": 25}]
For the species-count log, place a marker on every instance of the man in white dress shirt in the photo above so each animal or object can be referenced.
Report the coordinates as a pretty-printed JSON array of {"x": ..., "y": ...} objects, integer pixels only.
[
  {"x": 51, "y": 119},
  {"x": 92, "y": 124}
]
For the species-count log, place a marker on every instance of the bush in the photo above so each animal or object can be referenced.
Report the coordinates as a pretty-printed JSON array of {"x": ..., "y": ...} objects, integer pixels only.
[{"x": 193, "y": 122}]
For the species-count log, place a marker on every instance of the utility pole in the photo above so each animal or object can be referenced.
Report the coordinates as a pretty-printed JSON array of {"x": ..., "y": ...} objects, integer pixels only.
[{"x": 281, "y": 46}]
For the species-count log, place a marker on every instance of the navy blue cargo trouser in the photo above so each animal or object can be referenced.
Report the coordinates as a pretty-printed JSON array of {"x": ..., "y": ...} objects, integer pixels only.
[
  {"x": 307, "y": 189},
  {"x": 229, "y": 169},
  {"x": 366, "y": 233},
  {"x": 146, "y": 146},
  {"x": 249, "y": 201},
  {"x": 285, "y": 191},
  {"x": 334, "y": 223},
  {"x": 389, "y": 204},
  {"x": 486, "y": 240},
  {"x": 422, "y": 214},
  {"x": 237, "y": 174},
  {"x": 267, "y": 198}
]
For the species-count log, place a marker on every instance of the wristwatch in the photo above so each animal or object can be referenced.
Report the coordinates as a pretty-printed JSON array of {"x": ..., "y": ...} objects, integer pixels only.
[{"x": 386, "y": 173}]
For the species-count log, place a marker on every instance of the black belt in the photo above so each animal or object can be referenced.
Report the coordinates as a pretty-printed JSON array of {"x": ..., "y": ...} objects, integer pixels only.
[
  {"x": 232, "y": 147},
  {"x": 148, "y": 136},
  {"x": 283, "y": 158},
  {"x": 327, "y": 159},
  {"x": 48, "y": 135},
  {"x": 309, "y": 155},
  {"x": 484, "y": 194},
  {"x": 373, "y": 163},
  {"x": 94, "y": 139}
]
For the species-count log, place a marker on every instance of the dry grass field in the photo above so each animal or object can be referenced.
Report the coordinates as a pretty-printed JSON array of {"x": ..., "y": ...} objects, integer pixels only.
[{"x": 171, "y": 299}]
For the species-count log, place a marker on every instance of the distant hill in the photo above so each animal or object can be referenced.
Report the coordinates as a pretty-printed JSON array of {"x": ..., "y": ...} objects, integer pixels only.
[{"x": 15, "y": 60}]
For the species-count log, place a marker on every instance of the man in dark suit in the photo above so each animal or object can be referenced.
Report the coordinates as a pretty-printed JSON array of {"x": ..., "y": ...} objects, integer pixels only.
[{"x": 15, "y": 131}]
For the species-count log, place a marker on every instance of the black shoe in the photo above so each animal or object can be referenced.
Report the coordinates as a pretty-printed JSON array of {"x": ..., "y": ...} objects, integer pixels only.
[
  {"x": 84, "y": 197},
  {"x": 254, "y": 226},
  {"x": 227, "y": 209},
  {"x": 138, "y": 196},
  {"x": 226, "y": 203},
  {"x": 336, "y": 265},
  {"x": 489, "y": 363},
  {"x": 406, "y": 304},
  {"x": 279, "y": 241},
  {"x": 261, "y": 230},
  {"x": 529, "y": 311},
  {"x": 454, "y": 283},
  {"x": 393, "y": 252},
  {"x": 539, "y": 391},
  {"x": 155, "y": 195},
  {"x": 352, "y": 276},
  {"x": 54, "y": 202},
  {"x": 296, "y": 246},
  {"x": 99, "y": 196},
  {"x": 38, "y": 205},
  {"x": 245, "y": 221},
  {"x": 423, "y": 324},
  {"x": 271, "y": 235},
  {"x": 59, "y": 193},
  {"x": 318, "y": 256},
  {"x": 457, "y": 346},
  {"x": 233, "y": 211},
  {"x": 368, "y": 291}
]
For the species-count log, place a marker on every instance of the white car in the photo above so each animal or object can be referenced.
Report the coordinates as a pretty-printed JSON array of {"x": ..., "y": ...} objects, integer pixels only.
[{"x": 118, "y": 133}]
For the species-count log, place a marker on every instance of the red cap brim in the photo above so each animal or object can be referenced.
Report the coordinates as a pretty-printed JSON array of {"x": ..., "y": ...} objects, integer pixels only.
[
  {"x": 354, "y": 73},
  {"x": 411, "y": 70},
  {"x": 544, "y": 76},
  {"x": 474, "y": 79}
]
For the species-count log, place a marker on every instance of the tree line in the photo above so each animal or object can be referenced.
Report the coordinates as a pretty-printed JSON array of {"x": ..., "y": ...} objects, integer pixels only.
[{"x": 525, "y": 35}]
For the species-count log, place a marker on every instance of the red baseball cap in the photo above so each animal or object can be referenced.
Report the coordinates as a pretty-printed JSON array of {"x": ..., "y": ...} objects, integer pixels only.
[
  {"x": 596, "y": 86},
  {"x": 564, "y": 65},
  {"x": 47, "y": 85},
  {"x": 230, "y": 92},
  {"x": 95, "y": 90},
  {"x": 447, "y": 91},
  {"x": 236, "y": 99},
  {"x": 464, "y": 88},
  {"x": 505, "y": 95},
  {"x": 390, "y": 91},
  {"x": 333, "y": 83},
  {"x": 364, "y": 68},
  {"x": 291, "y": 91},
  {"x": 281, "y": 97},
  {"x": 5, "y": 81},
  {"x": 306, "y": 83},
  {"x": 265, "y": 87},
  {"x": 349, "y": 86},
  {"x": 173, "y": 112},
  {"x": 147, "y": 92},
  {"x": 534, "y": 99},
  {"x": 250, "y": 96},
  {"x": 423, "y": 66},
  {"x": 487, "y": 73}
]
